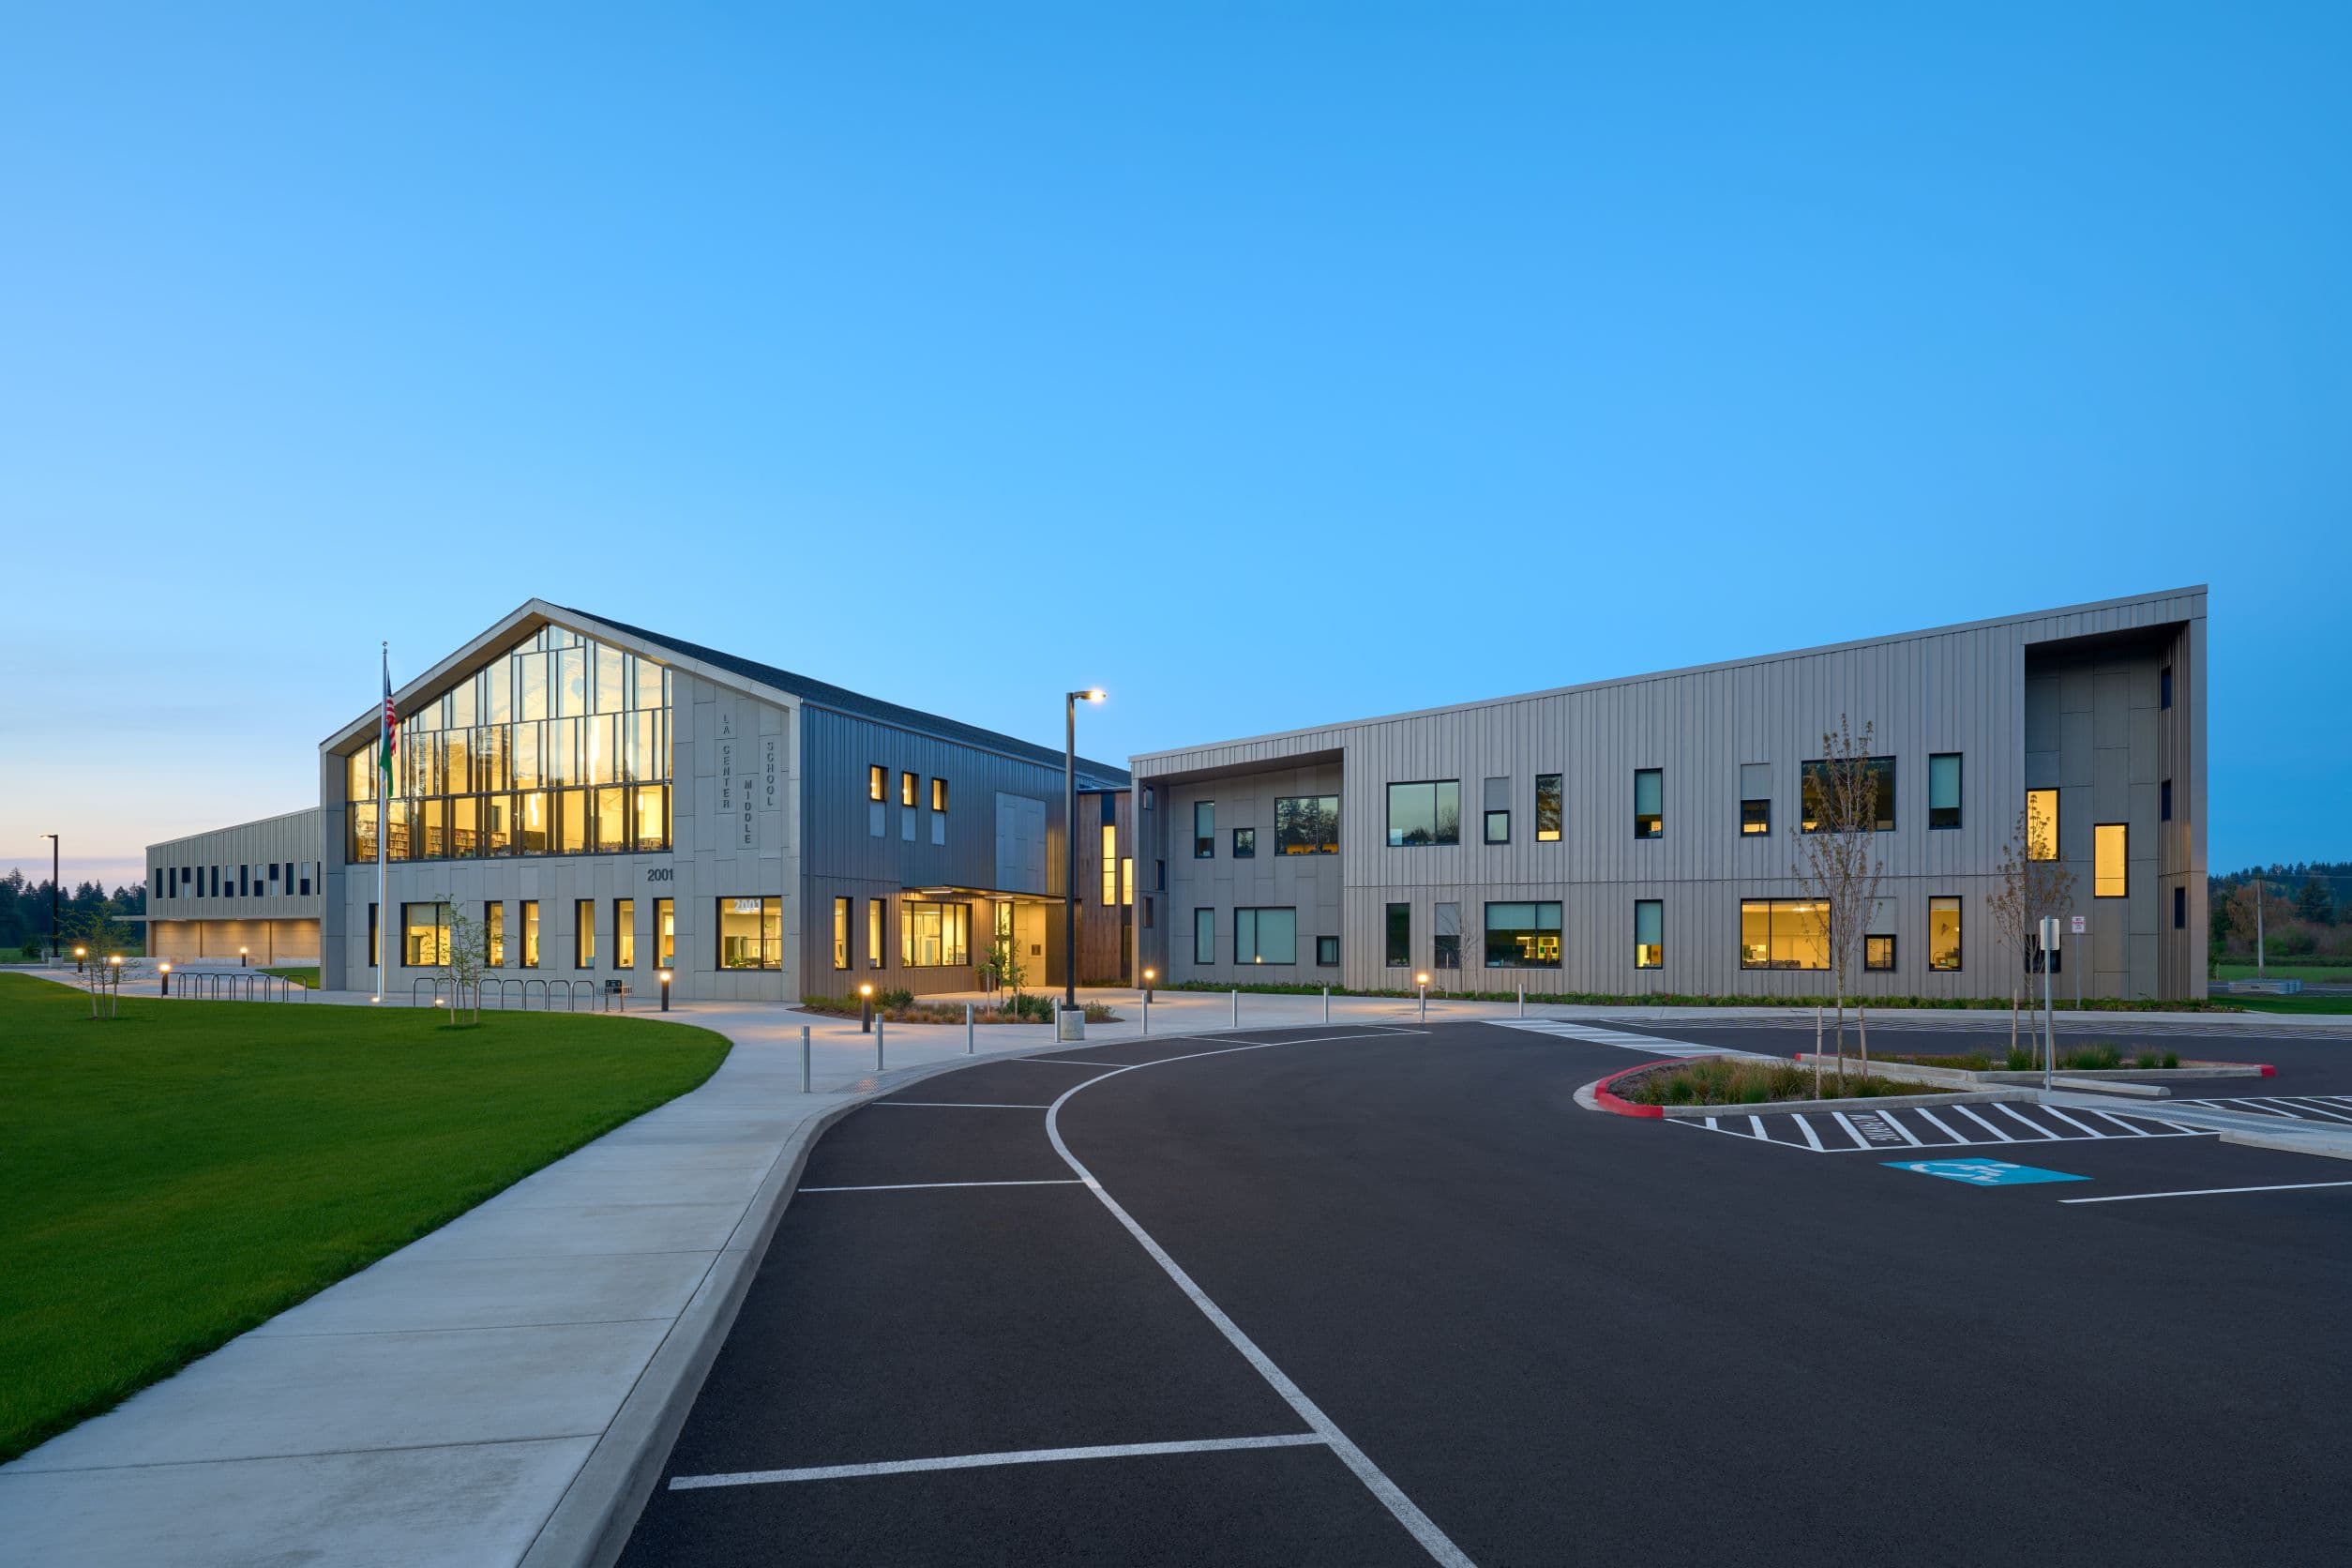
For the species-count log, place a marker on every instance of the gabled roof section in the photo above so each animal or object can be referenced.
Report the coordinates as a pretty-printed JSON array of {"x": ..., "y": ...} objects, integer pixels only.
[{"x": 527, "y": 619}]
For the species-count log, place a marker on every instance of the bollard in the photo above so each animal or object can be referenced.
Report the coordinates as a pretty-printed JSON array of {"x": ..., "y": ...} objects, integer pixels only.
[
  {"x": 967, "y": 1029},
  {"x": 1147, "y": 1012},
  {"x": 878, "y": 1023},
  {"x": 804, "y": 1059},
  {"x": 1425, "y": 1004},
  {"x": 1523, "y": 1001},
  {"x": 1327, "y": 1005},
  {"x": 1237, "y": 1007}
]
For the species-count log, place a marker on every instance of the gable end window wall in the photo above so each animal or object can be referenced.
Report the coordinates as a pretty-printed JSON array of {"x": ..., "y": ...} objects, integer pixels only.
[{"x": 561, "y": 746}]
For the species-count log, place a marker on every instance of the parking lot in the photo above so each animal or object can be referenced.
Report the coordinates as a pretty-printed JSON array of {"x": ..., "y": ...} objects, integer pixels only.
[{"x": 1386, "y": 1294}]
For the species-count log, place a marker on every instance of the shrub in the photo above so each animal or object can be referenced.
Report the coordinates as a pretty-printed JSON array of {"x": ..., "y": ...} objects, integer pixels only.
[
  {"x": 2019, "y": 1058},
  {"x": 2091, "y": 1058},
  {"x": 1729, "y": 1080}
]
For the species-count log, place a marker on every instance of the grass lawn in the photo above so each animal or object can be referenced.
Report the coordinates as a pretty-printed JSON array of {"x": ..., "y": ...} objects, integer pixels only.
[
  {"x": 181, "y": 1174},
  {"x": 2317, "y": 971},
  {"x": 305, "y": 977},
  {"x": 2293, "y": 1003}
]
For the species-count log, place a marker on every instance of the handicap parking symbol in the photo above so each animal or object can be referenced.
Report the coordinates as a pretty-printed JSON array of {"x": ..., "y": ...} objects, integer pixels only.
[{"x": 1984, "y": 1173}]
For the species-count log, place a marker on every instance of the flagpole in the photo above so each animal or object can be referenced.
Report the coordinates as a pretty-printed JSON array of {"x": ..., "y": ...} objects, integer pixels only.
[{"x": 384, "y": 811}]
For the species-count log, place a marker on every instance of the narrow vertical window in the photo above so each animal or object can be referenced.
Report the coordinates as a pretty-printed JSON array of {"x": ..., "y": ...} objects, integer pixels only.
[
  {"x": 623, "y": 933},
  {"x": 2179, "y": 908},
  {"x": 1650, "y": 933},
  {"x": 1204, "y": 830},
  {"x": 1547, "y": 808},
  {"x": 874, "y": 777},
  {"x": 1756, "y": 800},
  {"x": 666, "y": 933},
  {"x": 583, "y": 933},
  {"x": 907, "y": 783},
  {"x": 1943, "y": 935},
  {"x": 494, "y": 934},
  {"x": 1649, "y": 803},
  {"x": 1204, "y": 936},
  {"x": 529, "y": 933},
  {"x": 1110, "y": 858},
  {"x": 2042, "y": 824},
  {"x": 1400, "y": 936},
  {"x": 1497, "y": 810},
  {"x": 2110, "y": 861},
  {"x": 939, "y": 794},
  {"x": 1445, "y": 937},
  {"x": 1245, "y": 843},
  {"x": 1327, "y": 952},
  {"x": 841, "y": 933},
  {"x": 1943, "y": 790},
  {"x": 875, "y": 914},
  {"x": 2164, "y": 801},
  {"x": 375, "y": 938}
]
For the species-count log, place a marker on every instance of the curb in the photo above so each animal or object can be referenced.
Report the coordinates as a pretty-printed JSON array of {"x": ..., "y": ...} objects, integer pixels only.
[
  {"x": 1874, "y": 1101},
  {"x": 2328, "y": 1144},
  {"x": 592, "y": 1522},
  {"x": 1596, "y": 1097}
]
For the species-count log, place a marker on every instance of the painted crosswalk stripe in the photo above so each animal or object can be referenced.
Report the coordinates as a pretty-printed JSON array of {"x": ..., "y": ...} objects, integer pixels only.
[{"x": 2305, "y": 1102}]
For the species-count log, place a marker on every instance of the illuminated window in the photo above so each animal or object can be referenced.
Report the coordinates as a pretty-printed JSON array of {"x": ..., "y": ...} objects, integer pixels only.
[
  {"x": 907, "y": 782},
  {"x": 1498, "y": 827},
  {"x": 751, "y": 933},
  {"x": 375, "y": 938},
  {"x": 1943, "y": 935},
  {"x": 583, "y": 933},
  {"x": 1204, "y": 936},
  {"x": 841, "y": 933},
  {"x": 1266, "y": 936},
  {"x": 2042, "y": 824},
  {"x": 1943, "y": 790},
  {"x": 875, "y": 915},
  {"x": 2110, "y": 862},
  {"x": 424, "y": 935},
  {"x": 939, "y": 794},
  {"x": 529, "y": 933},
  {"x": 1755, "y": 799},
  {"x": 874, "y": 777},
  {"x": 666, "y": 933},
  {"x": 1649, "y": 803},
  {"x": 1424, "y": 814},
  {"x": 934, "y": 936},
  {"x": 623, "y": 933},
  {"x": 1783, "y": 933},
  {"x": 1547, "y": 808},
  {"x": 1650, "y": 933},
  {"x": 1879, "y": 955},
  {"x": 494, "y": 934},
  {"x": 1306, "y": 824},
  {"x": 1400, "y": 936},
  {"x": 1523, "y": 936},
  {"x": 1204, "y": 830},
  {"x": 1127, "y": 882},
  {"x": 1110, "y": 867},
  {"x": 1876, "y": 806}
]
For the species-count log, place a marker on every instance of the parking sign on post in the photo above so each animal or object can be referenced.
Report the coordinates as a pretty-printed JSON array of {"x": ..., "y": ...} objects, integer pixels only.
[
  {"x": 2049, "y": 1023},
  {"x": 2081, "y": 925}
]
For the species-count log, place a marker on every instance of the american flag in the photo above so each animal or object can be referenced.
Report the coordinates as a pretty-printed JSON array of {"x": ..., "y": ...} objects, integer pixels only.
[{"x": 389, "y": 730}]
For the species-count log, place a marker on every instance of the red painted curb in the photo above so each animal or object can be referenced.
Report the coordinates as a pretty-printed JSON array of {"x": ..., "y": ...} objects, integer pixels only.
[
  {"x": 2269, "y": 1071},
  {"x": 1617, "y": 1107}
]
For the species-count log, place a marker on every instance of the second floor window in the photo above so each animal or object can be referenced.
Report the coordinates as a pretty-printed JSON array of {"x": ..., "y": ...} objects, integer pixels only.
[
  {"x": 1204, "y": 830},
  {"x": 1649, "y": 803},
  {"x": 1424, "y": 814}
]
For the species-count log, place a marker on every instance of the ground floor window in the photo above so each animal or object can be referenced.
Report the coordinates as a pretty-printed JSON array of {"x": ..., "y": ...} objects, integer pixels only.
[
  {"x": 1650, "y": 933},
  {"x": 623, "y": 933},
  {"x": 583, "y": 933},
  {"x": 529, "y": 933},
  {"x": 1783, "y": 933},
  {"x": 841, "y": 933},
  {"x": 1204, "y": 936},
  {"x": 934, "y": 936},
  {"x": 751, "y": 933},
  {"x": 1266, "y": 936},
  {"x": 666, "y": 932},
  {"x": 1445, "y": 938},
  {"x": 1523, "y": 936},
  {"x": 1943, "y": 934},
  {"x": 375, "y": 938},
  {"x": 1400, "y": 936},
  {"x": 424, "y": 935},
  {"x": 494, "y": 934},
  {"x": 1879, "y": 955},
  {"x": 1327, "y": 952},
  {"x": 875, "y": 914}
]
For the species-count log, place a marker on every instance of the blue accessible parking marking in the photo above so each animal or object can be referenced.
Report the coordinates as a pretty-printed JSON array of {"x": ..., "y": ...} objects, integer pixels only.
[{"x": 1984, "y": 1173}]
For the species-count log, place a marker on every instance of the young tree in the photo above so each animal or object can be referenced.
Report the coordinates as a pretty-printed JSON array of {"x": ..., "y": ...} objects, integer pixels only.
[
  {"x": 2029, "y": 890},
  {"x": 1836, "y": 865},
  {"x": 1005, "y": 964},
  {"x": 463, "y": 963}
]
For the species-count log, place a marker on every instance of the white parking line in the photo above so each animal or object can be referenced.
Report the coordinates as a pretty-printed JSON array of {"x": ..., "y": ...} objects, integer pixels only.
[
  {"x": 2071, "y": 1123},
  {"x": 1980, "y": 1121},
  {"x": 976, "y": 1461},
  {"x": 1422, "y": 1529},
  {"x": 2015, "y": 1116},
  {"x": 917, "y": 1186},
  {"x": 1806, "y": 1127},
  {"x": 2314, "y": 1106},
  {"x": 2204, "y": 1192},
  {"x": 1892, "y": 1120},
  {"x": 955, "y": 1105},
  {"x": 1929, "y": 1117}
]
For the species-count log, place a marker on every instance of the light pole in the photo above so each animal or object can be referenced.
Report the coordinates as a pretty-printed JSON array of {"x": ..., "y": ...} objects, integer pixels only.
[
  {"x": 1069, "y": 840},
  {"x": 53, "y": 933}
]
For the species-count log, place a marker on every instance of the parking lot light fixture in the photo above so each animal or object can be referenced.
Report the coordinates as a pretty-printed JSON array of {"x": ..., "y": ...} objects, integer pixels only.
[{"x": 1070, "y": 700}]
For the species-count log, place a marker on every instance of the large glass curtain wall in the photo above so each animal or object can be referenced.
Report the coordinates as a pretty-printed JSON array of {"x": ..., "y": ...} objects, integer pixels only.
[{"x": 562, "y": 746}]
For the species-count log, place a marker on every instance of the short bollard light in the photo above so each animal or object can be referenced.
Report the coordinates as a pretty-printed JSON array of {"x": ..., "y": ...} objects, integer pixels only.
[
  {"x": 78, "y": 953},
  {"x": 1422, "y": 981},
  {"x": 865, "y": 1009},
  {"x": 665, "y": 990},
  {"x": 1149, "y": 975},
  {"x": 241, "y": 958},
  {"x": 165, "y": 969},
  {"x": 115, "y": 966}
]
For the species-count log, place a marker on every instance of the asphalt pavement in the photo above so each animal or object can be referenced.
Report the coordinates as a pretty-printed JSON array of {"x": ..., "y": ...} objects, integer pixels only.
[{"x": 1380, "y": 1294}]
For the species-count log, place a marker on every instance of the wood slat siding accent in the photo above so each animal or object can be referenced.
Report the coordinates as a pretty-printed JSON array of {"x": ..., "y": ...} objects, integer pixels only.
[{"x": 1962, "y": 689}]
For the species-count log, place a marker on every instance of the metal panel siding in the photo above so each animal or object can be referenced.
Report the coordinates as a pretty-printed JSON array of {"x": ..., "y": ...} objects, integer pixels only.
[{"x": 1959, "y": 690}]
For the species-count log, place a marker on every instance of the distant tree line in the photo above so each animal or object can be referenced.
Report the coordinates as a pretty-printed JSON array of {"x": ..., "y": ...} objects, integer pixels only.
[
  {"x": 2306, "y": 911},
  {"x": 24, "y": 909}
]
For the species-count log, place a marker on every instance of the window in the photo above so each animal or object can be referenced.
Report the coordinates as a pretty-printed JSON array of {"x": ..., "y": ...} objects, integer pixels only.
[
  {"x": 1522, "y": 936},
  {"x": 1110, "y": 865},
  {"x": 751, "y": 933},
  {"x": 907, "y": 786},
  {"x": 2110, "y": 867},
  {"x": 875, "y": 774},
  {"x": 874, "y": 917},
  {"x": 529, "y": 933},
  {"x": 1547, "y": 808},
  {"x": 1245, "y": 843},
  {"x": 306, "y": 878},
  {"x": 424, "y": 935},
  {"x": 1879, "y": 955},
  {"x": 494, "y": 934},
  {"x": 583, "y": 933},
  {"x": 1650, "y": 933},
  {"x": 1498, "y": 811},
  {"x": 1649, "y": 803},
  {"x": 666, "y": 933},
  {"x": 1943, "y": 790},
  {"x": 375, "y": 938},
  {"x": 2163, "y": 686},
  {"x": 1266, "y": 936},
  {"x": 1424, "y": 814},
  {"x": 1204, "y": 936},
  {"x": 934, "y": 936},
  {"x": 1943, "y": 935},
  {"x": 623, "y": 933},
  {"x": 1445, "y": 938},
  {"x": 1127, "y": 882},
  {"x": 1204, "y": 830},
  {"x": 939, "y": 794},
  {"x": 1783, "y": 933},
  {"x": 2042, "y": 824},
  {"x": 2179, "y": 908},
  {"x": 1327, "y": 952},
  {"x": 1756, "y": 800},
  {"x": 2164, "y": 801},
  {"x": 1306, "y": 824},
  {"x": 1876, "y": 807},
  {"x": 1400, "y": 936},
  {"x": 841, "y": 933}
]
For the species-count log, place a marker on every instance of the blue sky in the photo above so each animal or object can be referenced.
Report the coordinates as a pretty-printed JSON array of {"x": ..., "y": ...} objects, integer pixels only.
[{"x": 1395, "y": 354}]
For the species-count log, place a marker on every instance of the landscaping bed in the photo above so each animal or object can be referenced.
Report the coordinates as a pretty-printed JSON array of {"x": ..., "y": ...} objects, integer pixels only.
[
  {"x": 898, "y": 1006},
  {"x": 1744, "y": 1081}
]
